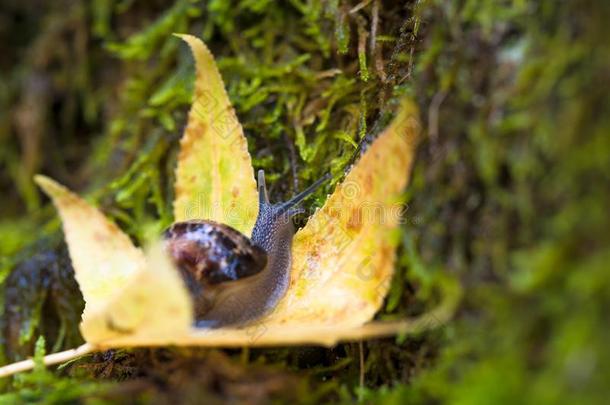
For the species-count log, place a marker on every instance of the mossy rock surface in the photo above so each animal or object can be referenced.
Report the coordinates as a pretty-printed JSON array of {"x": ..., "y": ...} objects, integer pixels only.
[{"x": 509, "y": 192}]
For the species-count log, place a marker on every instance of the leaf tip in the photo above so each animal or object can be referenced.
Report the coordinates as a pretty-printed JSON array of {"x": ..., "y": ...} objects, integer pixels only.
[
  {"x": 182, "y": 36},
  {"x": 407, "y": 119},
  {"x": 50, "y": 187},
  {"x": 191, "y": 40}
]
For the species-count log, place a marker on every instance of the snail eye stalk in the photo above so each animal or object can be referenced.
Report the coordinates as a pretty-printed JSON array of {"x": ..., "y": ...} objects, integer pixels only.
[
  {"x": 263, "y": 196},
  {"x": 303, "y": 194}
]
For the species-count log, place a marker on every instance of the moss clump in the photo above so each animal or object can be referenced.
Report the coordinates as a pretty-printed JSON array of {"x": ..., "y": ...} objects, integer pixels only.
[
  {"x": 508, "y": 192},
  {"x": 509, "y": 189}
]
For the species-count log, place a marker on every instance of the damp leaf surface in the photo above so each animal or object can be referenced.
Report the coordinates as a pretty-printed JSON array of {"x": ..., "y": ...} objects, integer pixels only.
[
  {"x": 153, "y": 304},
  {"x": 103, "y": 257},
  {"x": 214, "y": 177},
  {"x": 120, "y": 286}
]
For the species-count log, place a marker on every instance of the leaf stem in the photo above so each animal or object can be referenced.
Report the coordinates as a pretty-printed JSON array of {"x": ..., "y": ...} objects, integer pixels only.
[{"x": 50, "y": 359}]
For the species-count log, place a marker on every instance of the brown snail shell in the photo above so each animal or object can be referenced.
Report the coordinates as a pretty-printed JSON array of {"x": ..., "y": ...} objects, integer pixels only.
[{"x": 208, "y": 254}]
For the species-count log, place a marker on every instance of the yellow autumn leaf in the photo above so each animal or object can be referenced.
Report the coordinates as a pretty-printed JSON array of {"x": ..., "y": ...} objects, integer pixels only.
[
  {"x": 343, "y": 259},
  {"x": 103, "y": 257},
  {"x": 120, "y": 287},
  {"x": 154, "y": 304},
  {"x": 214, "y": 177}
]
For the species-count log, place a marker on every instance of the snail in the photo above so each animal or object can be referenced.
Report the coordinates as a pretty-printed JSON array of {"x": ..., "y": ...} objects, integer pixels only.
[{"x": 234, "y": 280}]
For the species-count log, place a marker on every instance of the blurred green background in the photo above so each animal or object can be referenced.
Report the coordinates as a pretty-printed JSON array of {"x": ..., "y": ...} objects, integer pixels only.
[{"x": 509, "y": 195}]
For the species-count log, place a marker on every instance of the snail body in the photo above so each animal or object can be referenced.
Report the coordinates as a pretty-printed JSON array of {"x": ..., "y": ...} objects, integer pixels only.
[{"x": 233, "y": 279}]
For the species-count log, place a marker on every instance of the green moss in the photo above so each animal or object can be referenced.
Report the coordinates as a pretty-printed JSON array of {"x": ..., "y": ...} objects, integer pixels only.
[
  {"x": 513, "y": 189},
  {"x": 507, "y": 194},
  {"x": 41, "y": 386}
]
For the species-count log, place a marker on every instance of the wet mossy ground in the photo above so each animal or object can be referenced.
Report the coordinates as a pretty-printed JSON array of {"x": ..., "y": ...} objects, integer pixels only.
[{"x": 509, "y": 193}]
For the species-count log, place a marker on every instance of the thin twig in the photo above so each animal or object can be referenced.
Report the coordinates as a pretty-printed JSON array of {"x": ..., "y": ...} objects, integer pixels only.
[
  {"x": 433, "y": 113},
  {"x": 374, "y": 25},
  {"x": 359, "y": 6},
  {"x": 55, "y": 358}
]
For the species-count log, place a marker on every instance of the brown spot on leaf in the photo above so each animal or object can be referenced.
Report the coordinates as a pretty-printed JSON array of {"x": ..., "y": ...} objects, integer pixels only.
[
  {"x": 354, "y": 223},
  {"x": 368, "y": 183}
]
